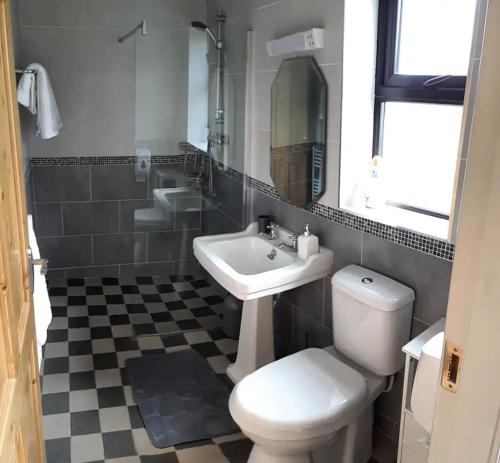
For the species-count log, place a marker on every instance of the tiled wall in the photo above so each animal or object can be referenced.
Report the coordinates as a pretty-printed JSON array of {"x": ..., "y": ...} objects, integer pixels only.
[
  {"x": 96, "y": 79},
  {"x": 84, "y": 218}
]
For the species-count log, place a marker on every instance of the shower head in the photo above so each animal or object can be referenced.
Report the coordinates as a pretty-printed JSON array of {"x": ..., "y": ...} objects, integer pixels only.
[{"x": 199, "y": 26}]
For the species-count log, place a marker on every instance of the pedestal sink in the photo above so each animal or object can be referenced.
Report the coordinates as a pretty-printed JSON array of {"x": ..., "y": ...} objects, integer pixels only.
[{"x": 253, "y": 268}]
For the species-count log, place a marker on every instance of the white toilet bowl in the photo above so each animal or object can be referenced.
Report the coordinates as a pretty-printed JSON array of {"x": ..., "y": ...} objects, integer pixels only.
[{"x": 300, "y": 403}]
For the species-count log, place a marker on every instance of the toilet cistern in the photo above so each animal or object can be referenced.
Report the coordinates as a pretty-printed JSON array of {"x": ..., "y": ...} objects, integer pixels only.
[{"x": 253, "y": 268}]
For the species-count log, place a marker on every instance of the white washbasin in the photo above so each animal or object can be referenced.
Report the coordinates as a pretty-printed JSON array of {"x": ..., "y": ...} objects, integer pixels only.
[
  {"x": 240, "y": 263},
  {"x": 252, "y": 268}
]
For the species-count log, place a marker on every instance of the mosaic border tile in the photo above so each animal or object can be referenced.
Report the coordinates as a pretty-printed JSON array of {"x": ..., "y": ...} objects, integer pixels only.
[
  {"x": 410, "y": 239},
  {"x": 48, "y": 161}
]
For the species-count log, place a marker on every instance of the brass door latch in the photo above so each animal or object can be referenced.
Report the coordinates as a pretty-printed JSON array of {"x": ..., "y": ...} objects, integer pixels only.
[{"x": 451, "y": 366}]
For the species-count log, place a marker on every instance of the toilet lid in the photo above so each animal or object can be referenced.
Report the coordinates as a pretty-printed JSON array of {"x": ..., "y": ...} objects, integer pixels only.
[{"x": 301, "y": 393}]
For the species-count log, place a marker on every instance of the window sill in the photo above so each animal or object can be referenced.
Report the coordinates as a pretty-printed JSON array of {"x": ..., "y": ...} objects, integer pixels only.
[{"x": 414, "y": 221}]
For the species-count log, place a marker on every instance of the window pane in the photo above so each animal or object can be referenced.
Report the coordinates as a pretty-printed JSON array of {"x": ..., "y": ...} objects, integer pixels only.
[
  {"x": 420, "y": 149},
  {"x": 434, "y": 37}
]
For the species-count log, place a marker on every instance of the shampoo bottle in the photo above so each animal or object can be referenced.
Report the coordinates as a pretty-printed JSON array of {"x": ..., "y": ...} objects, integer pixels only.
[{"x": 307, "y": 244}]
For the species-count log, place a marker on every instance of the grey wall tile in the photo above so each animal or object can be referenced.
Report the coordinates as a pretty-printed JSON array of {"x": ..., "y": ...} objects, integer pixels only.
[
  {"x": 283, "y": 323},
  {"x": 389, "y": 403},
  {"x": 90, "y": 217},
  {"x": 65, "y": 183},
  {"x": 429, "y": 276},
  {"x": 123, "y": 248},
  {"x": 215, "y": 222},
  {"x": 283, "y": 213},
  {"x": 307, "y": 332},
  {"x": 48, "y": 219},
  {"x": 156, "y": 269},
  {"x": 117, "y": 182},
  {"x": 169, "y": 246},
  {"x": 186, "y": 267},
  {"x": 67, "y": 251},
  {"x": 229, "y": 196},
  {"x": 62, "y": 13},
  {"x": 308, "y": 298},
  {"x": 92, "y": 272},
  {"x": 130, "y": 223}
]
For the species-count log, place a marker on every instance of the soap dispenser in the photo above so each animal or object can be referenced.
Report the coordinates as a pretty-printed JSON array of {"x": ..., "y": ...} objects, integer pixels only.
[{"x": 307, "y": 244}]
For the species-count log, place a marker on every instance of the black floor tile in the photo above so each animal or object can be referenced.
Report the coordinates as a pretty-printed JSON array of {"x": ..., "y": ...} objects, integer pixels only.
[
  {"x": 237, "y": 451},
  {"x": 78, "y": 322},
  {"x": 114, "y": 299},
  {"x": 150, "y": 352},
  {"x": 77, "y": 300},
  {"x": 55, "y": 403},
  {"x": 165, "y": 289},
  {"x": 213, "y": 300},
  {"x": 118, "y": 444},
  {"x": 110, "y": 281},
  {"x": 144, "y": 328},
  {"x": 207, "y": 349},
  {"x": 176, "y": 305},
  {"x": 197, "y": 284},
  {"x": 130, "y": 289},
  {"x": 161, "y": 317},
  {"x": 57, "y": 335},
  {"x": 97, "y": 310},
  {"x": 144, "y": 280},
  {"x": 135, "y": 417},
  {"x": 76, "y": 282},
  {"x": 93, "y": 290},
  {"x": 101, "y": 332},
  {"x": 56, "y": 365},
  {"x": 59, "y": 311},
  {"x": 80, "y": 347},
  {"x": 58, "y": 291},
  {"x": 136, "y": 308},
  {"x": 119, "y": 319},
  {"x": 174, "y": 340},
  {"x": 125, "y": 343},
  {"x": 82, "y": 380},
  {"x": 105, "y": 361},
  {"x": 169, "y": 457},
  {"x": 188, "y": 294},
  {"x": 188, "y": 324},
  {"x": 149, "y": 298},
  {"x": 216, "y": 334},
  {"x": 86, "y": 422},
  {"x": 111, "y": 397},
  {"x": 58, "y": 450},
  {"x": 202, "y": 311}
]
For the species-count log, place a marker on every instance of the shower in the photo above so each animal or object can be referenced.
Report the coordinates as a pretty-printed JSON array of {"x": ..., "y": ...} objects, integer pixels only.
[{"x": 219, "y": 138}]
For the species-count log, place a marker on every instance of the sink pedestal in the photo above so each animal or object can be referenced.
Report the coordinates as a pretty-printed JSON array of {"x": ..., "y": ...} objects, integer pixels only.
[{"x": 256, "y": 343}]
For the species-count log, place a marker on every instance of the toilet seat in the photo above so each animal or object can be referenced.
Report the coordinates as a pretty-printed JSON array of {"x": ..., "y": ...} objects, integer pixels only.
[{"x": 302, "y": 396}]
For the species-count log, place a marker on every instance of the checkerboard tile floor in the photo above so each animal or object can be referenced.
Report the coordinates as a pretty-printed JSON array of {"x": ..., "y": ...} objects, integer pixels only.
[{"x": 88, "y": 411}]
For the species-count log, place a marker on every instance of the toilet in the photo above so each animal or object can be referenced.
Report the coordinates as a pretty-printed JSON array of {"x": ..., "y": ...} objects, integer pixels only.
[{"x": 317, "y": 405}]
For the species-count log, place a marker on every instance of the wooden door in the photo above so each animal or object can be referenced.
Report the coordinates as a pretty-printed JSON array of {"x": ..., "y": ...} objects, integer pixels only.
[
  {"x": 467, "y": 422},
  {"x": 20, "y": 422}
]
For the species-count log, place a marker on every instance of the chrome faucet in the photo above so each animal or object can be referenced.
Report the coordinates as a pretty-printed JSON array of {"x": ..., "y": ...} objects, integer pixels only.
[
  {"x": 291, "y": 247},
  {"x": 273, "y": 231}
]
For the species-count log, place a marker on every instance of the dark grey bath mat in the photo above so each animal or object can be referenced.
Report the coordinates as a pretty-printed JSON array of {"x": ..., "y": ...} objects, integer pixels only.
[{"x": 180, "y": 398}]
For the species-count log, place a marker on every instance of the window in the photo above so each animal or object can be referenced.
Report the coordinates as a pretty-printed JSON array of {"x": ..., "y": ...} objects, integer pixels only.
[{"x": 422, "y": 61}]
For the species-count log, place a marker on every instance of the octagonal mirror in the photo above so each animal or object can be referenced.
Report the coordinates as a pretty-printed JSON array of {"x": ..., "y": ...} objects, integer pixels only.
[{"x": 298, "y": 131}]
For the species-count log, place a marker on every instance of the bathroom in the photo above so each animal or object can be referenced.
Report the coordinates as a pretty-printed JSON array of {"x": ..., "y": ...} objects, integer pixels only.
[{"x": 172, "y": 113}]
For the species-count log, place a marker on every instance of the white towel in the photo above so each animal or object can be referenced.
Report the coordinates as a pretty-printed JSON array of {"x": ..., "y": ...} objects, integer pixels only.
[
  {"x": 41, "y": 300},
  {"x": 35, "y": 92}
]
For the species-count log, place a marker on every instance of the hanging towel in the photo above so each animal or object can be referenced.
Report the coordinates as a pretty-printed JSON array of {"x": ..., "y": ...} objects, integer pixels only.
[
  {"x": 36, "y": 91},
  {"x": 41, "y": 300}
]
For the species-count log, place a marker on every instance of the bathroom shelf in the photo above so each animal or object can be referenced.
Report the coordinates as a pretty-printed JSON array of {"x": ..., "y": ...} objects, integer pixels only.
[{"x": 413, "y": 439}]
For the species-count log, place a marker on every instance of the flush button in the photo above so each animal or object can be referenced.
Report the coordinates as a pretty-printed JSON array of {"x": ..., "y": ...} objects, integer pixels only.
[{"x": 367, "y": 281}]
